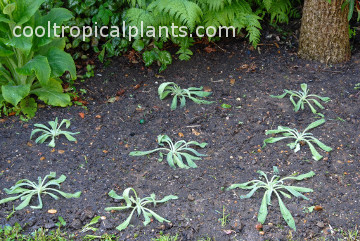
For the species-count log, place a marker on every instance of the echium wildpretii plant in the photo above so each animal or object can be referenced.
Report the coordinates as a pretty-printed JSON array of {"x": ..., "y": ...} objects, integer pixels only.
[
  {"x": 136, "y": 204},
  {"x": 277, "y": 186},
  {"x": 301, "y": 138},
  {"x": 177, "y": 152},
  {"x": 170, "y": 88},
  {"x": 303, "y": 98},
  {"x": 25, "y": 189},
  {"x": 31, "y": 64},
  {"x": 53, "y": 132}
]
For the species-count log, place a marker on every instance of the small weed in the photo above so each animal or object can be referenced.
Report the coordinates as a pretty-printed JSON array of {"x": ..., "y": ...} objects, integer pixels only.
[{"x": 224, "y": 219}]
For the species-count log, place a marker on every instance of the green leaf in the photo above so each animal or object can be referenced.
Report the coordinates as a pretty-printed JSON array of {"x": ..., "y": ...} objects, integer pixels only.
[
  {"x": 225, "y": 106},
  {"x": 52, "y": 94},
  {"x": 286, "y": 214},
  {"x": 60, "y": 61},
  {"x": 148, "y": 58},
  {"x": 263, "y": 209},
  {"x": 13, "y": 94},
  {"x": 138, "y": 45},
  {"x": 165, "y": 57},
  {"x": 28, "y": 107},
  {"x": 26, "y": 9},
  {"x": 38, "y": 65},
  {"x": 9, "y": 9}
]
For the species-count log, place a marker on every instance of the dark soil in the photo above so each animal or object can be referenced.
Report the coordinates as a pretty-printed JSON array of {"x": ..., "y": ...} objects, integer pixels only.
[{"x": 99, "y": 161}]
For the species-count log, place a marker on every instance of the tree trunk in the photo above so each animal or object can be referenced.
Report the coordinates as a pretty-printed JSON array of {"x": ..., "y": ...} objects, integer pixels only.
[{"x": 324, "y": 33}]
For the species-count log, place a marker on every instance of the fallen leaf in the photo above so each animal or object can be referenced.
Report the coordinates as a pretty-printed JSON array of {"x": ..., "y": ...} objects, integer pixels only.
[
  {"x": 195, "y": 132},
  {"x": 52, "y": 211},
  {"x": 181, "y": 134},
  {"x": 82, "y": 115},
  {"x": 207, "y": 89},
  {"x": 105, "y": 151},
  {"x": 318, "y": 208},
  {"x": 232, "y": 81},
  {"x": 61, "y": 151},
  {"x": 277, "y": 46},
  {"x": 12, "y": 113},
  {"x": 2, "y": 120},
  {"x": 52, "y": 150},
  {"x": 29, "y": 144},
  {"x": 112, "y": 99},
  {"x": 137, "y": 86},
  {"x": 98, "y": 116},
  {"x": 42, "y": 158},
  {"x": 229, "y": 231},
  {"x": 209, "y": 49},
  {"x": 120, "y": 92},
  {"x": 98, "y": 128}
]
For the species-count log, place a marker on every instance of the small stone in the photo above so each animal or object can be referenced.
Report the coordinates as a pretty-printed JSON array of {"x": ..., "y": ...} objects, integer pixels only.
[
  {"x": 191, "y": 197},
  {"x": 262, "y": 233},
  {"x": 76, "y": 224},
  {"x": 49, "y": 225},
  {"x": 258, "y": 226},
  {"x": 320, "y": 224},
  {"x": 87, "y": 213}
]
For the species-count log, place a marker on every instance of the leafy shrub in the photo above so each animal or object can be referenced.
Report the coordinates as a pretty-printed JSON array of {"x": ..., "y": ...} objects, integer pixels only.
[
  {"x": 176, "y": 152},
  {"x": 136, "y": 204},
  {"x": 32, "y": 65},
  {"x": 170, "y": 88},
  {"x": 301, "y": 138},
  {"x": 28, "y": 189},
  {"x": 303, "y": 98},
  {"x": 274, "y": 185},
  {"x": 242, "y": 14},
  {"x": 53, "y": 132}
]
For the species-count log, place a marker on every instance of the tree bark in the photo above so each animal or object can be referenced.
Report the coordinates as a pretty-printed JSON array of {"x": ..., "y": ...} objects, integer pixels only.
[{"x": 324, "y": 33}]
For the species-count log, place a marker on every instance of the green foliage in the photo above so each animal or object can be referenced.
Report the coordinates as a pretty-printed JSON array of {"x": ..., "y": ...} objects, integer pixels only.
[
  {"x": 274, "y": 185},
  {"x": 88, "y": 226},
  {"x": 170, "y": 88},
  {"x": 304, "y": 98},
  {"x": 301, "y": 138},
  {"x": 53, "y": 132},
  {"x": 32, "y": 65},
  {"x": 135, "y": 203},
  {"x": 176, "y": 152},
  {"x": 166, "y": 237},
  {"x": 243, "y": 15},
  {"x": 27, "y": 189}
]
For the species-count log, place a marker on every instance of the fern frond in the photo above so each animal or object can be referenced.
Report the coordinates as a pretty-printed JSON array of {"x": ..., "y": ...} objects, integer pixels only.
[
  {"x": 134, "y": 17},
  {"x": 189, "y": 13}
]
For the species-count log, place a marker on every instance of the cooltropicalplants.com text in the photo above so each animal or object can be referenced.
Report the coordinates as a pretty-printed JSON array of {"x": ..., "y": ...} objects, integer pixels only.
[{"x": 125, "y": 31}]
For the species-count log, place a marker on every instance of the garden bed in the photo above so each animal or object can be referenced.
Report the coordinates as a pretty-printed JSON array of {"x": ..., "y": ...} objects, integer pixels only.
[{"x": 123, "y": 95}]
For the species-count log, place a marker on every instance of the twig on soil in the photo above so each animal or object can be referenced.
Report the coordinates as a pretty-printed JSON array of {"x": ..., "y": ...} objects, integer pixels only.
[{"x": 193, "y": 126}]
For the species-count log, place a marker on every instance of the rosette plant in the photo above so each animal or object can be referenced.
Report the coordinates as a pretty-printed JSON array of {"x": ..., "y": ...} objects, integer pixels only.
[{"x": 32, "y": 58}]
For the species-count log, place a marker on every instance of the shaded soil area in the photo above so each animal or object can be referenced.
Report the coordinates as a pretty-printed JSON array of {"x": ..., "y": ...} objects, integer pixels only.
[{"x": 238, "y": 76}]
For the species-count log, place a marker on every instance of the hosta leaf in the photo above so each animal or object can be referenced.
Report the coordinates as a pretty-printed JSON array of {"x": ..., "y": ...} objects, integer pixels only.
[
  {"x": 38, "y": 65},
  {"x": 52, "y": 94},
  {"x": 148, "y": 58},
  {"x": 15, "y": 93}
]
